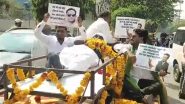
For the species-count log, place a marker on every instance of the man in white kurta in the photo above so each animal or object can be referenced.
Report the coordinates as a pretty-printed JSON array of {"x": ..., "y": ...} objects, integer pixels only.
[
  {"x": 56, "y": 43},
  {"x": 101, "y": 26}
]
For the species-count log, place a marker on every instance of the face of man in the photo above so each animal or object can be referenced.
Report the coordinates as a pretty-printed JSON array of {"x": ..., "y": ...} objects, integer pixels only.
[
  {"x": 135, "y": 39},
  {"x": 165, "y": 58},
  {"x": 46, "y": 17},
  {"x": 18, "y": 24},
  {"x": 71, "y": 16},
  {"x": 61, "y": 32}
]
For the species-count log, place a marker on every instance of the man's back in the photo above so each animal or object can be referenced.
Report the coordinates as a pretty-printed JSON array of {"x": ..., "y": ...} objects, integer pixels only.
[{"x": 78, "y": 57}]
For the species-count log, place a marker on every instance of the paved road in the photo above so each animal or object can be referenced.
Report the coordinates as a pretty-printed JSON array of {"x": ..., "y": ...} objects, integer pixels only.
[{"x": 173, "y": 89}]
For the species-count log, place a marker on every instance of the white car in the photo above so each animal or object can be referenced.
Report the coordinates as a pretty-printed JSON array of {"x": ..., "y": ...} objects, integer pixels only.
[
  {"x": 177, "y": 48},
  {"x": 15, "y": 45},
  {"x": 182, "y": 79}
]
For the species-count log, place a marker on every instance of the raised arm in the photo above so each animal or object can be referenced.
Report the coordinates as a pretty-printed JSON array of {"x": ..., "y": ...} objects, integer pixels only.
[{"x": 39, "y": 35}]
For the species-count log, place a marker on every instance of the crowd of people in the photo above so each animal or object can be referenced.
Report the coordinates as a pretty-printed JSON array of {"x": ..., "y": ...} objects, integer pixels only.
[{"x": 71, "y": 53}]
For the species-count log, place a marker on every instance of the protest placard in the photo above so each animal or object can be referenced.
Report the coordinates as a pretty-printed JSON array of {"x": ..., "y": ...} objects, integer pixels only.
[
  {"x": 150, "y": 60},
  {"x": 148, "y": 56},
  {"x": 127, "y": 24},
  {"x": 102, "y": 6},
  {"x": 63, "y": 15}
]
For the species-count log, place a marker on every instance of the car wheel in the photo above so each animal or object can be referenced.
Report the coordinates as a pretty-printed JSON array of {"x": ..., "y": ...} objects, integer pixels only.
[
  {"x": 176, "y": 73},
  {"x": 181, "y": 95}
]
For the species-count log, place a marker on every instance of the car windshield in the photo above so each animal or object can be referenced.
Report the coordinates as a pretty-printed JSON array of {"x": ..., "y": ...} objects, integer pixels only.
[
  {"x": 17, "y": 41},
  {"x": 179, "y": 37}
]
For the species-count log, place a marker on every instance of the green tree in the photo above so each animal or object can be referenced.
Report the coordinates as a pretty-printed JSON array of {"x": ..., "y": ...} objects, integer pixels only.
[
  {"x": 156, "y": 12},
  {"x": 130, "y": 11},
  {"x": 10, "y": 9},
  {"x": 41, "y": 6},
  {"x": 174, "y": 25}
]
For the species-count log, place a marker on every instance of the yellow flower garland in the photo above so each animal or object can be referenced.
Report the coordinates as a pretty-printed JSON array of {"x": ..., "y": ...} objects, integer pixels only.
[
  {"x": 53, "y": 77},
  {"x": 21, "y": 94},
  {"x": 20, "y": 74},
  {"x": 115, "y": 69},
  {"x": 71, "y": 99},
  {"x": 124, "y": 101},
  {"x": 103, "y": 97}
]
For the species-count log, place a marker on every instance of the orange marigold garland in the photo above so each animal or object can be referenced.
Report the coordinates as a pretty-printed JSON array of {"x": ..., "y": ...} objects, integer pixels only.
[{"x": 73, "y": 99}]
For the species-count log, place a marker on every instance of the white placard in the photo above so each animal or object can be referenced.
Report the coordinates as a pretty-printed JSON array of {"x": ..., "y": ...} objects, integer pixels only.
[
  {"x": 63, "y": 15},
  {"x": 102, "y": 6},
  {"x": 124, "y": 24},
  {"x": 148, "y": 56}
]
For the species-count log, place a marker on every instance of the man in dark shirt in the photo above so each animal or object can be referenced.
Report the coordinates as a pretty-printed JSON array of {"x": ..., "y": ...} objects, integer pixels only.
[{"x": 162, "y": 65}]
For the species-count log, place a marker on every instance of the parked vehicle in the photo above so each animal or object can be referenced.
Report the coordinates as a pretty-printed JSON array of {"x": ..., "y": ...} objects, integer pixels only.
[
  {"x": 177, "y": 48},
  {"x": 182, "y": 79},
  {"x": 15, "y": 45}
]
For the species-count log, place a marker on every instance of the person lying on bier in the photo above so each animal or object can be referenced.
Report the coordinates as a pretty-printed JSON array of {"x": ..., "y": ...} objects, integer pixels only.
[{"x": 78, "y": 57}]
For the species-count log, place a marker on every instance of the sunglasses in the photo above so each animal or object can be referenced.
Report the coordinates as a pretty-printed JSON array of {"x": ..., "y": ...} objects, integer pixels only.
[{"x": 71, "y": 15}]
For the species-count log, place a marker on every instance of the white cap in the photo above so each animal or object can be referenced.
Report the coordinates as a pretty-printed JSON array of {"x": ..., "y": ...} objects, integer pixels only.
[{"x": 18, "y": 20}]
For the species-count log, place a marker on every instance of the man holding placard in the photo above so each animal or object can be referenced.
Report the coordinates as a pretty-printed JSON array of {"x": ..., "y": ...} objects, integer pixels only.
[
  {"x": 56, "y": 43},
  {"x": 133, "y": 89}
]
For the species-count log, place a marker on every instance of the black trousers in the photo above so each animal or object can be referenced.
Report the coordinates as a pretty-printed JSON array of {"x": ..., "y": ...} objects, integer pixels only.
[
  {"x": 54, "y": 62},
  {"x": 150, "y": 86}
]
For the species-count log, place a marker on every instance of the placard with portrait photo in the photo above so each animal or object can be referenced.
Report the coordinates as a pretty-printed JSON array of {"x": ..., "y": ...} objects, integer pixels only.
[
  {"x": 127, "y": 24},
  {"x": 63, "y": 15}
]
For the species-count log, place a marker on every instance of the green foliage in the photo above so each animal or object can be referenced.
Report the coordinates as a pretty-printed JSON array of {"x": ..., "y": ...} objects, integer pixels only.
[
  {"x": 173, "y": 27},
  {"x": 4, "y": 2},
  {"x": 10, "y": 9},
  {"x": 41, "y": 6},
  {"x": 130, "y": 11},
  {"x": 154, "y": 11}
]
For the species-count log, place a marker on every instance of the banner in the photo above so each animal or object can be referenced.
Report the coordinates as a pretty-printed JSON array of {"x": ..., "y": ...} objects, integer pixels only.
[
  {"x": 63, "y": 15},
  {"x": 102, "y": 6},
  {"x": 126, "y": 25}
]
